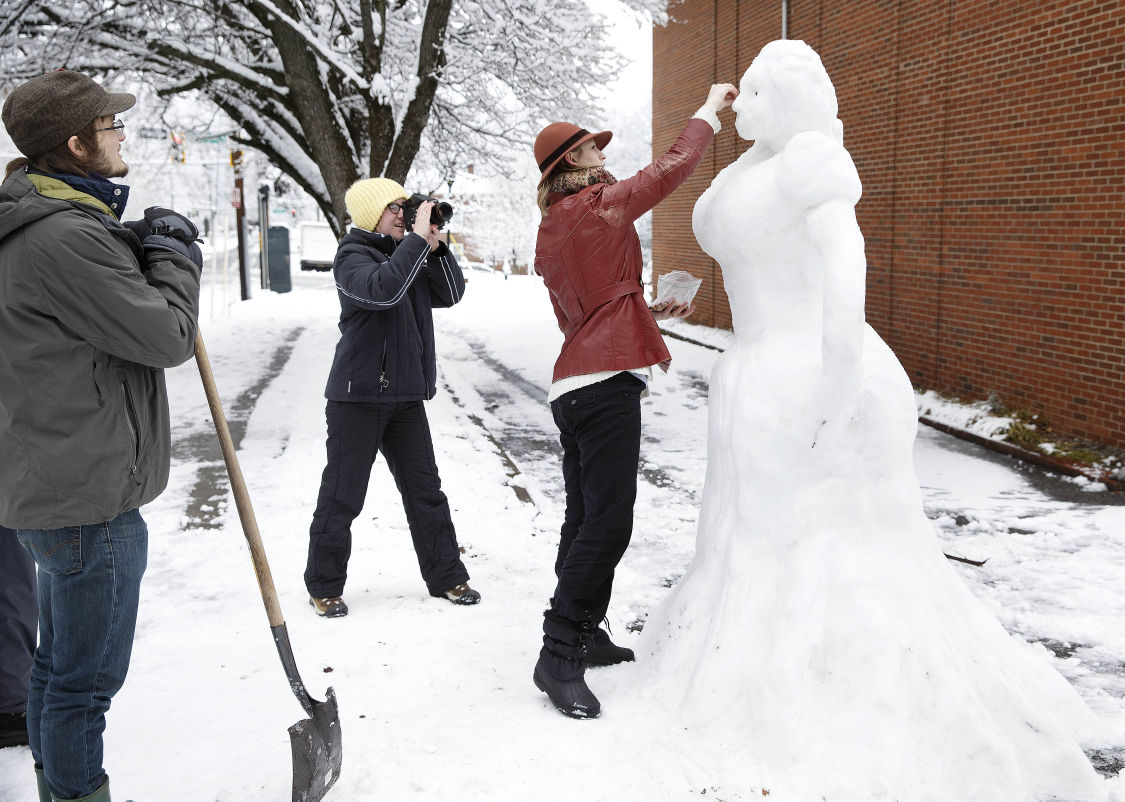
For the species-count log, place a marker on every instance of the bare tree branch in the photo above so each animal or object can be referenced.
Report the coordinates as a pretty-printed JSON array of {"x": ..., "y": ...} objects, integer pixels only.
[{"x": 330, "y": 90}]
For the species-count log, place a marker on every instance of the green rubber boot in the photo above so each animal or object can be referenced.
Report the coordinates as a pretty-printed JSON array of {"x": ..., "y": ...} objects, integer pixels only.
[
  {"x": 101, "y": 795},
  {"x": 41, "y": 784}
]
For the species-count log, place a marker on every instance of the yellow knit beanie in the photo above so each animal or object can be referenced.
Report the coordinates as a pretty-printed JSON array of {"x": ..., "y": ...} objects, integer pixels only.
[{"x": 367, "y": 198}]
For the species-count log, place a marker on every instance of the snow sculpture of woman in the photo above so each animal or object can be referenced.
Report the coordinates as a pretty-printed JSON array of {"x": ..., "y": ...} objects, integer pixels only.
[{"x": 819, "y": 620}]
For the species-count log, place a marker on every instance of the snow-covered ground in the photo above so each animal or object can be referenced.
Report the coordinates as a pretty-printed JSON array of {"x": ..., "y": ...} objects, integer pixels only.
[{"x": 436, "y": 701}]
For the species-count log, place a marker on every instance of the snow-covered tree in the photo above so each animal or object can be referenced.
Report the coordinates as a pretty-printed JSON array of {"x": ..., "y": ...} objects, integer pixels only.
[{"x": 331, "y": 91}]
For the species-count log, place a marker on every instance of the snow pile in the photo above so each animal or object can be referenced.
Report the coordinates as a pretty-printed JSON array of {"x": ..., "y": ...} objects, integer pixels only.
[
  {"x": 975, "y": 417},
  {"x": 819, "y": 620}
]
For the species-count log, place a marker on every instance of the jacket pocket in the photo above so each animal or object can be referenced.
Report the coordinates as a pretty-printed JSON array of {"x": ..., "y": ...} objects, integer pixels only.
[
  {"x": 133, "y": 423},
  {"x": 56, "y": 551}
]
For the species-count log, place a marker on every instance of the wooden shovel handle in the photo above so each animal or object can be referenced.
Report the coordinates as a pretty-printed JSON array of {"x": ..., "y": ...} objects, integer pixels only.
[{"x": 238, "y": 485}]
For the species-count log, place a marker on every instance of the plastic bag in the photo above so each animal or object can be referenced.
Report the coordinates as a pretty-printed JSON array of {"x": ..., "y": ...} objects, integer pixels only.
[{"x": 675, "y": 287}]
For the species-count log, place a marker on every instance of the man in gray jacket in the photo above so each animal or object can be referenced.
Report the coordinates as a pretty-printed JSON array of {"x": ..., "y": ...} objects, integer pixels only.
[{"x": 91, "y": 311}]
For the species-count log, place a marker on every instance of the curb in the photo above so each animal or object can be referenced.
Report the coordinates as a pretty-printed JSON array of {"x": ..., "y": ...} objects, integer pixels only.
[{"x": 1031, "y": 457}]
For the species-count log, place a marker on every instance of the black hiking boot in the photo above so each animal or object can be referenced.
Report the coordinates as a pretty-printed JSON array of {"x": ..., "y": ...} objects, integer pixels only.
[
  {"x": 604, "y": 652},
  {"x": 462, "y": 594},
  {"x": 329, "y": 607}
]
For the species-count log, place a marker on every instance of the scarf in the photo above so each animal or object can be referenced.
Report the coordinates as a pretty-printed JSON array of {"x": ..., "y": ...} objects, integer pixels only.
[
  {"x": 570, "y": 181},
  {"x": 96, "y": 191}
]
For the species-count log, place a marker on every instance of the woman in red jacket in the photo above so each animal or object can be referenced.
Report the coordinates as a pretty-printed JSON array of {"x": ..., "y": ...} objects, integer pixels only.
[{"x": 589, "y": 256}]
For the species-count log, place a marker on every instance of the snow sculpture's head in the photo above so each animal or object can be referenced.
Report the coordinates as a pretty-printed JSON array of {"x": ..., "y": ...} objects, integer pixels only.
[{"x": 786, "y": 91}]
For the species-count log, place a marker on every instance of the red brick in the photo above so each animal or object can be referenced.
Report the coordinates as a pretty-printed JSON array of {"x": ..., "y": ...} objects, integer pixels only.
[{"x": 988, "y": 138}]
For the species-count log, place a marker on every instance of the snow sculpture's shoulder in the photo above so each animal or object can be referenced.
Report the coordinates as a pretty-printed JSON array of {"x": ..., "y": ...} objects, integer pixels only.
[{"x": 815, "y": 169}]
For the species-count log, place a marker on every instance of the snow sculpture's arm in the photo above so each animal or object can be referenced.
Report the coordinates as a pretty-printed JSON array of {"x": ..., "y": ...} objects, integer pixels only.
[
  {"x": 819, "y": 175},
  {"x": 835, "y": 234}
]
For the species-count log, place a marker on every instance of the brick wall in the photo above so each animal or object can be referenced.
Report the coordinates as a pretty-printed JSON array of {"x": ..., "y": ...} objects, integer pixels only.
[{"x": 990, "y": 138}]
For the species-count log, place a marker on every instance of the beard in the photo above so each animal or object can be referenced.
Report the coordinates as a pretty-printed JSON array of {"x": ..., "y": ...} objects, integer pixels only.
[
  {"x": 111, "y": 170},
  {"x": 108, "y": 165}
]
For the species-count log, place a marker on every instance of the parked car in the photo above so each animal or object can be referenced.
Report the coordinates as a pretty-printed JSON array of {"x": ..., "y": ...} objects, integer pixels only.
[
  {"x": 317, "y": 245},
  {"x": 481, "y": 266}
]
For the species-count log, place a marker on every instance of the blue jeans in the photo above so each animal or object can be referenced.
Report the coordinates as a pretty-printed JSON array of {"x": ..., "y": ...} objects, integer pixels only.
[{"x": 89, "y": 589}]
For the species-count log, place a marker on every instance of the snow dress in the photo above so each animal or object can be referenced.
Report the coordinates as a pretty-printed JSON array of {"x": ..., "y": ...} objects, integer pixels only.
[{"x": 819, "y": 619}]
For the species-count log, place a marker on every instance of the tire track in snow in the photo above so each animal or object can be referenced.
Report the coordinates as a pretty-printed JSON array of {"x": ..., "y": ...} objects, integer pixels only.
[
  {"x": 207, "y": 501},
  {"x": 522, "y": 446}
]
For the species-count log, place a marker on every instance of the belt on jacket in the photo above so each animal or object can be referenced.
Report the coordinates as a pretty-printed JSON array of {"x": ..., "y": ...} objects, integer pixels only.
[{"x": 588, "y": 303}]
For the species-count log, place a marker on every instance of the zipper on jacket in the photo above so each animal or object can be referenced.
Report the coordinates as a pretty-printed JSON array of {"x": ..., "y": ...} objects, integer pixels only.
[
  {"x": 97, "y": 389},
  {"x": 384, "y": 383},
  {"x": 134, "y": 429}
]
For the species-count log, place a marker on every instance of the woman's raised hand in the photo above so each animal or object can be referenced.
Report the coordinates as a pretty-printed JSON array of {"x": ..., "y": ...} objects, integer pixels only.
[
  {"x": 422, "y": 219},
  {"x": 721, "y": 96}
]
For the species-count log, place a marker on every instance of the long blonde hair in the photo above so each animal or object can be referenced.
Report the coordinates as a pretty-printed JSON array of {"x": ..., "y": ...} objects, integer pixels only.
[{"x": 545, "y": 188}]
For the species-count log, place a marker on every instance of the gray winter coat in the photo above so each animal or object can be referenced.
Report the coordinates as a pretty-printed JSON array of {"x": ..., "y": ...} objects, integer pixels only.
[{"x": 87, "y": 322}]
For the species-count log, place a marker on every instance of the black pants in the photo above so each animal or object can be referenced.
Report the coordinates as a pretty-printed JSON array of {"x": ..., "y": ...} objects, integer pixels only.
[
  {"x": 356, "y": 434},
  {"x": 600, "y": 431},
  {"x": 19, "y": 617}
]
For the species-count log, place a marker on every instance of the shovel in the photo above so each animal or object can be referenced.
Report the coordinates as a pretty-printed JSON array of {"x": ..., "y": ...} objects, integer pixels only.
[{"x": 317, "y": 753}]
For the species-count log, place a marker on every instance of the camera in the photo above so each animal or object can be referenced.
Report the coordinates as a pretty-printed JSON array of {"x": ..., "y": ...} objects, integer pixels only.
[{"x": 439, "y": 214}]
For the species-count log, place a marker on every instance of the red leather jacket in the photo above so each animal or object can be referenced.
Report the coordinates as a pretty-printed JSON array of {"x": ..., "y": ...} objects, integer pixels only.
[{"x": 589, "y": 256}]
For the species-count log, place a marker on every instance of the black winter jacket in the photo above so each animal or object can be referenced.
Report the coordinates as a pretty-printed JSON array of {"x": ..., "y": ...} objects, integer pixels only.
[{"x": 387, "y": 292}]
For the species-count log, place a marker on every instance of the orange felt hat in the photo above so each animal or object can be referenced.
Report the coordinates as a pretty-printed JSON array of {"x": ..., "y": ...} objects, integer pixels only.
[{"x": 559, "y": 139}]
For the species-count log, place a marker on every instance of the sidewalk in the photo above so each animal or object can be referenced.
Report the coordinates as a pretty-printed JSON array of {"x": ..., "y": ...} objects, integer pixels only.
[{"x": 436, "y": 701}]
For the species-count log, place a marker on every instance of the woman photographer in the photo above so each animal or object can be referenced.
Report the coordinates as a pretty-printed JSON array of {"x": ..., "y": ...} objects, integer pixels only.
[
  {"x": 589, "y": 256},
  {"x": 388, "y": 280}
]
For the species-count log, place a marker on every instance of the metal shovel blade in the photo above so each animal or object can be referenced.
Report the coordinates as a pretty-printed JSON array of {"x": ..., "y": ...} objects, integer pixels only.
[{"x": 317, "y": 751}]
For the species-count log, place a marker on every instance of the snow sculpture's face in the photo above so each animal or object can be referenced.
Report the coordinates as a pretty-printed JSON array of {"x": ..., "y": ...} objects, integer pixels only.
[
  {"x": 756, "y": 117},
  {"x": 784, "y": 92}
]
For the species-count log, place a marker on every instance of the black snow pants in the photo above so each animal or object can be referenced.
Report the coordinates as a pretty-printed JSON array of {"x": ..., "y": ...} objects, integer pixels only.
[
  {"x": 600, "y": 431},
  {"x": 357, "y": 433}
]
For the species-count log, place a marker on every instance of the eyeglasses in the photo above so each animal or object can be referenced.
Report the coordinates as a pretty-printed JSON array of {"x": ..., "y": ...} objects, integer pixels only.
[
  {"x": 118, "y": 128},
  {"x": 394, "y": 208}
]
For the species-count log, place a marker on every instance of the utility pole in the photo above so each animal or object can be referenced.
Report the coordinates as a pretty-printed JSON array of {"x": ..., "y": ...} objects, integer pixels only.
[
  {"x": 263, "y": 234},
  {"x": 239, "y": 222}
]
